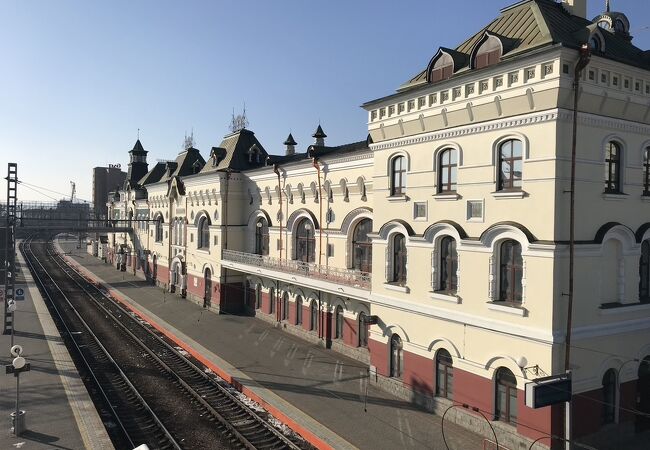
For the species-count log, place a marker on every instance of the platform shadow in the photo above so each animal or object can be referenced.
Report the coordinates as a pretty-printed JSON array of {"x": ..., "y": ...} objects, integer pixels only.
[{"x": 43, "y": 438}]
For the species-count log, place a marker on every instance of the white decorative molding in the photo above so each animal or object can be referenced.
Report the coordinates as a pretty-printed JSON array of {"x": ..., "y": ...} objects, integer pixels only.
[
  {"x": 446, "y": 197},
  {"x": 445, "y": 297},
  {"x": 507, "y": 309},
  {"x": 518, "y": 122},
  {"x": 632, "y": 308},
  {"x": 508, "y": 194},
  {"x": 397, "y": 288},
  {"x": 528, "y": 333}
]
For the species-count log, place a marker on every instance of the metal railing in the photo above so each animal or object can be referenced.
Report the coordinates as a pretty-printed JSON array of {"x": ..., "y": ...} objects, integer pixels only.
[{"x": 348, "y": 277}]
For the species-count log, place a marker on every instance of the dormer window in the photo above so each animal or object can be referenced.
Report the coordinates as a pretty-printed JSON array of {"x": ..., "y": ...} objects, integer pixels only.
[
  {"x": 596, "y": 43},
  {"x": 442, "y": 69},
  {"x": 488, "y": 53}
]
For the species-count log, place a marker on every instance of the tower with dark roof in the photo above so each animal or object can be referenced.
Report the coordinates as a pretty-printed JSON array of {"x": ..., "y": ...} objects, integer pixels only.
[
  {"x": 291, "y": 145},
  {"x": 138, "y": 165},
  {"x": 319, "y": 135}
]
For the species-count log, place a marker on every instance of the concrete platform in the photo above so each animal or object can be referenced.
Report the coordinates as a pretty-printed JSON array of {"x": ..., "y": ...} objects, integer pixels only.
[
  {"x": 318, "y": 392},
  {"x": 60, "y": 414}
]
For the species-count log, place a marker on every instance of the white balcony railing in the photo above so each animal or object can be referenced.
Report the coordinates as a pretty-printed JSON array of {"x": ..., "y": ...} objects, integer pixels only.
[{"x": 347, "y": 277}]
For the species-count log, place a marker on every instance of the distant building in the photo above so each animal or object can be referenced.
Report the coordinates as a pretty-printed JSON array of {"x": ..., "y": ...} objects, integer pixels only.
[{"x": 105, "y": 179}]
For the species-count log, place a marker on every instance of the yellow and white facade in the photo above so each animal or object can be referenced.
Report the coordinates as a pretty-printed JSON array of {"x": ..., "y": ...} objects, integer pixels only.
[{"x": 437, "y": 249}]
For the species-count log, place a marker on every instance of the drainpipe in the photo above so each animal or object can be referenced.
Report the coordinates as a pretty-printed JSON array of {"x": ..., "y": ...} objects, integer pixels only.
[
  {"x": 276, "y": 169},
  {"x": 583, "y": 60},
  {"x": 314, "y": 161},
  {"x": 585, "y": 54},
  {"x": 224, "y": 243}
]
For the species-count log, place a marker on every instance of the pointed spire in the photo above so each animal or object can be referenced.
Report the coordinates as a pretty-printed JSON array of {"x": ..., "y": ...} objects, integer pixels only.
[
  {"x": 290, "y": 140},
  {"x": 319, "y": 135},
  {"x": 138, "y": 147},
  {"x": 607, "y": 6},
  {"x": 291, "y": 145}
]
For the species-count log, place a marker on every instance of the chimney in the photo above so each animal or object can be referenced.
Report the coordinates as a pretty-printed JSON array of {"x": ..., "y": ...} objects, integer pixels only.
[
  {"x": 576, "y": 7},
  {"x": 320, "y": 136},
  {"x": 291, "y": 145}
]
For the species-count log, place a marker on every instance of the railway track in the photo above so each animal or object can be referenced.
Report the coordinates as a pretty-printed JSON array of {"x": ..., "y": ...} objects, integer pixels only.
[{"x": 156, "y": 394}]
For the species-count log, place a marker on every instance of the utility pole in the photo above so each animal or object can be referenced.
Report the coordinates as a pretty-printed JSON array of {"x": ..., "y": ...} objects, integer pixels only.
[
  {"x": 10, "y": 250},
  {"x": 583, "y": 60}
]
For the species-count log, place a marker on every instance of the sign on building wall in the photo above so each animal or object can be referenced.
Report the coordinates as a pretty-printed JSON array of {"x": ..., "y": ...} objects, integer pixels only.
[{"x": 548, "y": 391}]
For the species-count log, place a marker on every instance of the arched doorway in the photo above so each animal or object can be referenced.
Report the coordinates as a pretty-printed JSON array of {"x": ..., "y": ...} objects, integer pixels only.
[
  {"x": 207, "y": 284},
  {"x": 642, "y": 422}
]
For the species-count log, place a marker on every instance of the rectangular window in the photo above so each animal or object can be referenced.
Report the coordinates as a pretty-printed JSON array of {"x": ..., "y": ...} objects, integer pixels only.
[
  {"x": 400, "y": 108},
  {"x": 433, "y": 99},
  {"x": 420, "y": 210},
  {"x": 330, "y": 250},
  {"x": 592, "y": 75},
  {"x": 373, "y": 115},
  {"x": 391, "y": 110},
  {"x": 530, "y": 73},
  {"x": 216, "y": 240},
  {"x": 411, "y": 105},
  {"x": 421, "y": 102},
  {"x": 191, "y": 237},
  {"x": 475, "y": 210}
]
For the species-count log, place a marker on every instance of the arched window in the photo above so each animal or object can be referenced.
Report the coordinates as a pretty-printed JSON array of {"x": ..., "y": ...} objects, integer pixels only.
[
  {"x": 313, "y": 313},
  {"x": 159, "y": 229},
  {"x": 444, "y": 374},
  {"x": 396, "y": 357},
  {"x": 338, "y": 322},
  {"x": 448, "y": 265},
  {"x": 398, "y": 257},
  {"x": 510, "y": 272},
  {"x": 298, "y": 310},
  {"x": 506, "y": 396},
  {"x": 644, "y": 273},
  {"x": 609, "y": 396},
  {"x": 510, "y": 165},
  {"x": 258, "y": 296},
  {"x": 363, "y": 330},
  {"x": 594, "y": 43},
  {"x": 613, "y": 168},
  {"x": 646, "y": 171},
  {"x": 398, "y": 176},
  {"x": 305, "y": 242},
  {"x": 285, "y": 306},
  {"x": 203, "y": 233},
  {"x": 643, "y": 395},
  {"x": 442, "y": 69},
  {"x": 261, "y": 237},
  {"x": 272, "y": 301},
  {"x": 447, "y": 170},
  {"x": 488, "y": 53},
  {"x": 362, "y": 246}
]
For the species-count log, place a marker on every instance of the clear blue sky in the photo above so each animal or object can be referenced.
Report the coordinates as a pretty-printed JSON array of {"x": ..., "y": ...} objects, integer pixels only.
[{"x": 80, "y": 77}]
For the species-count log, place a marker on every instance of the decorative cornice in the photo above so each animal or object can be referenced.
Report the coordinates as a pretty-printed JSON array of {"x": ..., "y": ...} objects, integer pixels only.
[{"x": 518, "y": 121}]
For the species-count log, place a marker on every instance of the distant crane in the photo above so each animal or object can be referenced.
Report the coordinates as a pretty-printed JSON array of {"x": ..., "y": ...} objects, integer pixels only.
[{"x": 74, "y": 190}]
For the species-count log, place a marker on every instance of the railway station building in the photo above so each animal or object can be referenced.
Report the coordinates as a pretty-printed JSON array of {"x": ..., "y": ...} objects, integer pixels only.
[{"x": 436, "y": 250}]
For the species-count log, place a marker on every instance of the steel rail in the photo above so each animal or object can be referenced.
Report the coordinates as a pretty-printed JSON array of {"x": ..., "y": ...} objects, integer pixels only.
[
  {"x": 88, "y": 365},
  {"x": 196, "y": 371}
]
